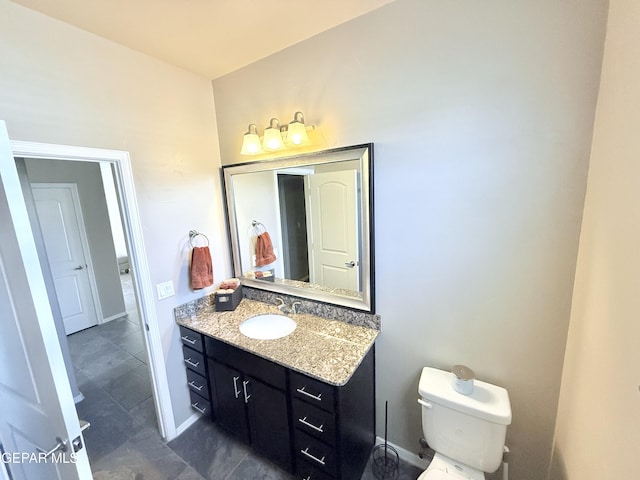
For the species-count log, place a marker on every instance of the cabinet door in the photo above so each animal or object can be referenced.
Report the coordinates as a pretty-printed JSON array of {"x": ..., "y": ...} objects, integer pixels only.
[
  {"x": 269, "y": 422},
  {"x": 230, "y": 406}
]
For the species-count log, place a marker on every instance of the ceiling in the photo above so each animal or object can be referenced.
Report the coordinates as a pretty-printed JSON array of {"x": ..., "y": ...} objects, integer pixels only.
[{"x": 209, "y": 37}]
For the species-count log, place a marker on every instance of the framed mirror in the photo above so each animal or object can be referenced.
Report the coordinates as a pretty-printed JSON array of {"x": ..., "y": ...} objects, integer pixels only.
[{"x": 303, "y": 225}]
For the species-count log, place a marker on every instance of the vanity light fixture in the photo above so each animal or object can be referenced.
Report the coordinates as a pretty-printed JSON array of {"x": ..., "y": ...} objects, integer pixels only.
[
  {"x": 275, "y": 137},
  {"x": 251, "y": 142},
  {"x": 272, "y": 136}
]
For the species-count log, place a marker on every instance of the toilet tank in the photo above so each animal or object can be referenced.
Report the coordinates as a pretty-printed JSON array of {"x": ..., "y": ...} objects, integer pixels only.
[{"x": 470, "y": 429}]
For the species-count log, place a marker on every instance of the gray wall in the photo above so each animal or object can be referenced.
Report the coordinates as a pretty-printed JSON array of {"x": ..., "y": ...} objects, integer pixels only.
[
  {"x": 96, "y": 218},
  {"x": 481, "y": 114}
]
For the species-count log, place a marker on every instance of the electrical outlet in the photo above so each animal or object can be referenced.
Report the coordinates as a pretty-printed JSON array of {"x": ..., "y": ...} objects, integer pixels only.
[{"x": 165, "y": 290}]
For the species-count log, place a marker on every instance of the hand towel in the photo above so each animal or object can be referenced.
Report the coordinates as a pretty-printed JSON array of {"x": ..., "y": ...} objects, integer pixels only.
[
  {"x": 201, "y": 268},
  {"x": 264, "y": 250}
]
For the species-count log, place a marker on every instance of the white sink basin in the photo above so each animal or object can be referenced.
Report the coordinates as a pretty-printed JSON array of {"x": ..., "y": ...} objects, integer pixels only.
[{"x": 268, "y": 326}]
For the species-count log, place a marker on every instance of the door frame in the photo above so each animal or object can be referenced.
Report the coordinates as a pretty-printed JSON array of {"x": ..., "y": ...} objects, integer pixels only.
[
  {"x": 123, "y": 177},
  {"x": 93, "y": 285}
]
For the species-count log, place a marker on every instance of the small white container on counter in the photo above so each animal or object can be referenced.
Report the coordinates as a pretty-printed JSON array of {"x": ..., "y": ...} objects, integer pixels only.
[{"x": 462, "y": 380}]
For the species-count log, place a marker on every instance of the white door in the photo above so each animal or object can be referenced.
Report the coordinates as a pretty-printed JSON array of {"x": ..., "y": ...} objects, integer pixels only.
[
  {"x": 334, "y": 258},
  {"x": 37, "y": 403},
  {"x": 65, "y": 240}
]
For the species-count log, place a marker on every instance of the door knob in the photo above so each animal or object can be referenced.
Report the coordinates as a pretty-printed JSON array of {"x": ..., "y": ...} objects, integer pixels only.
[
  {"x": 350, "y": 264},
  {"x": 80, "y": 267}
]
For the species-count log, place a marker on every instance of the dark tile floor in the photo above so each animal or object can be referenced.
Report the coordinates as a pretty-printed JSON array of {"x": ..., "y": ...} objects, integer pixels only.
[{"x": 123, "y": 442}]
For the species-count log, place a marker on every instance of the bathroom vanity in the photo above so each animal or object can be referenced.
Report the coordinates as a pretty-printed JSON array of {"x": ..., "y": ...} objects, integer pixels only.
[{"x": 305, "y": 401}]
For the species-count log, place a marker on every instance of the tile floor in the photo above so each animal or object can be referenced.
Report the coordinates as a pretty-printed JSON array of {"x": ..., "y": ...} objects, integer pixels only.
[{"x": 123, "y": 442}]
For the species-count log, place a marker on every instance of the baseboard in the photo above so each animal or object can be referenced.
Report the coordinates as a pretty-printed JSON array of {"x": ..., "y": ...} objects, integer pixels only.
[
  {"x": 187, "y": 423},
  {"x": 405, "y": 455},
  {"x": 114, "y": 317}
]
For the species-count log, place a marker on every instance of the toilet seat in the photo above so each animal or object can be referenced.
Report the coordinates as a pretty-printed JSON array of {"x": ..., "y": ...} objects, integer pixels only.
[{"x": 444, "y": 468}]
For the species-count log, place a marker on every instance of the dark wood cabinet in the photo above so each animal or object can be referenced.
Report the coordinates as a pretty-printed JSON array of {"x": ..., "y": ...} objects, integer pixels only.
[
  {"x": 194, "y": 356},
  {"x": 251, "y": 400},
  {"x": 307, "y": 426},
  {"x": 270, "y": 435},
  {"x": 334, "y": 427},
  {"x": 230, "y": 405}
]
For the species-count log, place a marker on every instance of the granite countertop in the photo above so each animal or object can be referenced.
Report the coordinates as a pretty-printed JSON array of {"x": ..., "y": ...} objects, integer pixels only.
[{"x": 329, "y": 350}]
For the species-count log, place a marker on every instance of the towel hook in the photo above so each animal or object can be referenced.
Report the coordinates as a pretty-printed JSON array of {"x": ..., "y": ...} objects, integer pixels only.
[{"x": 193, "y": 234}]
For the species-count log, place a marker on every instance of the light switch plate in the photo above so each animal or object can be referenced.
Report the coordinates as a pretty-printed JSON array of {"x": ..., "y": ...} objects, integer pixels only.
[{"x": 165, "y": 290}]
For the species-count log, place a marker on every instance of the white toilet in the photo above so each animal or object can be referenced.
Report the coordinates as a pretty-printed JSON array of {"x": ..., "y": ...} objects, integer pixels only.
[{"x": 467, "y": 432}]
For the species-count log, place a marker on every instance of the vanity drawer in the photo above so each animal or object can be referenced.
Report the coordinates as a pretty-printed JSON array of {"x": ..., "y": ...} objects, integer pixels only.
[
  {"x": 305, "y": 471},
  {"x": 202, "y": 405},
  {"x": 198, "y": 383},
  {"x": 194, "y": 360},
  {"x": 191, "y": 339},
  {"x": 316, "y": 453},
  {"x": 313, "y": 391},
  {"x": 314, "y": 421}
]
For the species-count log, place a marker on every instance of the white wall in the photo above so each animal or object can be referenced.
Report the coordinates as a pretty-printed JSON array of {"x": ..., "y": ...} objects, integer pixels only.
[
  {"x": 481, "y": 114},
  {"x": 59, "y": 84},
  {"x": 598, "y": 426},
  {"x": 259, "y": 201}
]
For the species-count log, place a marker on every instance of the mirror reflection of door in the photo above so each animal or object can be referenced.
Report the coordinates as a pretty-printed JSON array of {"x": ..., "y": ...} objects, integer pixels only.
[
  {"x": 60, "y": 218},
  {"x": 334, "y": 256},
  {"x": 293, "y": 218}
]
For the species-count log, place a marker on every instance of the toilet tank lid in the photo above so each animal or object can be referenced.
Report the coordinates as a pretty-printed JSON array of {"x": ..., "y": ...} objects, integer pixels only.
[{"x": 487, "y": 401}]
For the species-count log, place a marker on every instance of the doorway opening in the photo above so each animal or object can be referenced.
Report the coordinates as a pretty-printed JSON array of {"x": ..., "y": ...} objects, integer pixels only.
[{"x": 139, "y": 313}]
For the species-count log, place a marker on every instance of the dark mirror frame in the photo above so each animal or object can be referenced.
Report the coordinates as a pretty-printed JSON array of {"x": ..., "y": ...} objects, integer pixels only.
[{"x": 365, "y": 300}]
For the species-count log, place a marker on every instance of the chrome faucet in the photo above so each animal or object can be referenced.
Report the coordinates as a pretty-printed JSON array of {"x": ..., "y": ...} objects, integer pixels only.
[{"x": 284, "y": 308}]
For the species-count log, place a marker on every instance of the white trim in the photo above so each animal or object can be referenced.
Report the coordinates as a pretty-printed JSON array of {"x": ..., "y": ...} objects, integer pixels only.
[
  {"x": 84, "y": 240},
  {"x": 138, "y": 259},
  {"x": 405, "y": 455},
  {"x": 187, "y": 423}
]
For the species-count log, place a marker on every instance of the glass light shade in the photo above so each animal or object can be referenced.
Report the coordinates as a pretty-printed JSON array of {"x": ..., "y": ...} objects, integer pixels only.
[
  {"x": 272, "y": 137},
  {"x": 251, "y": 142},
  {"x": 297, "y": 134},
  {"x": 297, "y": 130}
]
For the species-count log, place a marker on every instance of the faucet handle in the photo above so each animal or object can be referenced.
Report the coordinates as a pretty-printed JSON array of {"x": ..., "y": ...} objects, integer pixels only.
[
  {"x": 281, "y": 305},
  {"x": 294, "y": 305}
]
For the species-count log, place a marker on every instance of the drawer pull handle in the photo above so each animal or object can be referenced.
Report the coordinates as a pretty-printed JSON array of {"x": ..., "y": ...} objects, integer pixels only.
[
  {"x": 201, "y": 410},
  {"x": 189, "y": 362},
  {"x": 236, "y": 391},
  {"x": 188, "y": 340},
  {"x": 306, "y": 452},
  {"x": 246, "y": 395},
  {"x": 311, "y": 425},
  {"x": 315, "y": 397},
  {"x": 196, "y": 386}
]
